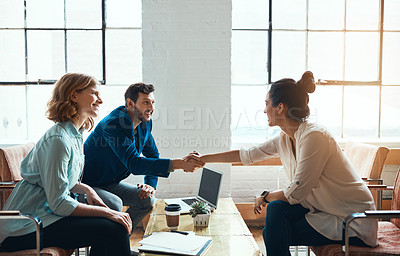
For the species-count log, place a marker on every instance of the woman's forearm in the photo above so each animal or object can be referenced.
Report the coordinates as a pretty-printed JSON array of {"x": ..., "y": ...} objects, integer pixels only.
[
  {"x": 98, "y": 211},
  {"x": 276, "y": 195},
  {"x": 224, "y": 157},
  {"x": 80, "y": 188},
  {"x": 91, "y": 210}
]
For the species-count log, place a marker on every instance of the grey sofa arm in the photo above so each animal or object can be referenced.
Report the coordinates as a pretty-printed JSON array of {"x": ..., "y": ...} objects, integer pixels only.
[
  {"x": 367, "y": 214},
  {"x": 37, "y": 221}
]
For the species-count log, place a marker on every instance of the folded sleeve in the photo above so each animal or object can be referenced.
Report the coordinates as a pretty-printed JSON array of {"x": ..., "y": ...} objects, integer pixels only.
[
  {"x": 53, "y": 158},
  {"x": 263, "y": 151},
  {"x": 314, "y": 152}
]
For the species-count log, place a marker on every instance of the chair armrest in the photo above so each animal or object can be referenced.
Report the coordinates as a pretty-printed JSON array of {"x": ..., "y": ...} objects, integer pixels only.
[
  {"x": 380, "y": 187},
  {"x": 6, "y": 183},
  {"x": 367, "y": 214},
  {"x": 379, "y": 181},
  {"x": 382, "y": 214},
  {"x": 35, "y": 220},
  {"x": 10, "y": 213}
]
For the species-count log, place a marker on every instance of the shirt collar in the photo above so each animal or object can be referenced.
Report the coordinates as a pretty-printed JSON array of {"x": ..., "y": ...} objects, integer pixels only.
[
  {"x": 71, "y": 129},
  {"x": 300, "y": 130}
]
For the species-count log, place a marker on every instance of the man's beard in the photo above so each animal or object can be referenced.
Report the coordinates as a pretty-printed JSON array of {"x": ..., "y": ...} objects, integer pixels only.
[{"x": 140, "y": 115}]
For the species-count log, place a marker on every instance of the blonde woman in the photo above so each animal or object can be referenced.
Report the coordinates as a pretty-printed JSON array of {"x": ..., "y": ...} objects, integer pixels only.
[{"x": 51, "y": 172}]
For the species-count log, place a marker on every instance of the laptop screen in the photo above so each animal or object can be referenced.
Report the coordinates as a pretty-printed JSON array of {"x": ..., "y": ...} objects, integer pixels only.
[{"x": 210, "y": 185}]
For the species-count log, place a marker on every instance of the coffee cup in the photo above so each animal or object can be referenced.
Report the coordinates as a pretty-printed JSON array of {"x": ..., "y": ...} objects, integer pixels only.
[{"x": 172, "y": 212}]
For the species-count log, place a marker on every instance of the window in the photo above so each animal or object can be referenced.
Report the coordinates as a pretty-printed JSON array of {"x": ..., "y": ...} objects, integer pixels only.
[
  {"x": 52, "y": 37},
  {"x": 349, "y": 45}
]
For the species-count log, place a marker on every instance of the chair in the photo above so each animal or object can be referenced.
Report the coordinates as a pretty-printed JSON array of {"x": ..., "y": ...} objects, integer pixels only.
[
  {"x": 52, "y": 251},
  {"x": 10, "y": 174},
  {"x": 368, "y": 160},
  {"x": 388, "y": 232}
]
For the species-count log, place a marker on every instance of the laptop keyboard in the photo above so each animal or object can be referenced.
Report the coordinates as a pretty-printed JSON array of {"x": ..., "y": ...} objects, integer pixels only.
[{"x": 190, "y": 201}]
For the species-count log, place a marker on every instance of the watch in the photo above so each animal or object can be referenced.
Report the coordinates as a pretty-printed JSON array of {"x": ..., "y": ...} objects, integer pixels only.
[{"x": 264, "y": 194}]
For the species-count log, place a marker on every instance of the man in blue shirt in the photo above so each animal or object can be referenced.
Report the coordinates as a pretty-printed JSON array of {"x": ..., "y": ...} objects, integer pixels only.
[{"x": 113, "y": 151}]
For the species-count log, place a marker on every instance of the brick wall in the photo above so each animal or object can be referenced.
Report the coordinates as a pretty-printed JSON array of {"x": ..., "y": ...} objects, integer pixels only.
[{"x": 186, "y": 55}]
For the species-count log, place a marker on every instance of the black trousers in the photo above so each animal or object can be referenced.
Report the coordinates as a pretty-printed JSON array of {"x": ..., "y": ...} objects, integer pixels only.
[{"x": 106, "y": 237}]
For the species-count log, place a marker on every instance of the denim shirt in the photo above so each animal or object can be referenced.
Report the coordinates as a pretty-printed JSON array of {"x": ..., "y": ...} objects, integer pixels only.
[{"x": 50, "y": 170}]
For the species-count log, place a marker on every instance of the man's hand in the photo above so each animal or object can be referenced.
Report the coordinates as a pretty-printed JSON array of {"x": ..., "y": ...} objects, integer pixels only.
[
  {"x": 188, "y": 163},
  {"x": 194, "y": 156},
  {"x": 192, "y": 165},
  {"x": 259, "y": 203},
  {"x": 145, "y": 191},
  {"x": 193, "y": 160}
]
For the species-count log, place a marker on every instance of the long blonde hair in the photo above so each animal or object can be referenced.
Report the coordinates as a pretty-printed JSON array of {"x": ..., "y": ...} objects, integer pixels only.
[{"x": 60, "y": 106}]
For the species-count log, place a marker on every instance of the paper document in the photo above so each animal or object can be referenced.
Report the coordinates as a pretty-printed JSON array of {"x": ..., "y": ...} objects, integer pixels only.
[{"x": 175, "y": 243}]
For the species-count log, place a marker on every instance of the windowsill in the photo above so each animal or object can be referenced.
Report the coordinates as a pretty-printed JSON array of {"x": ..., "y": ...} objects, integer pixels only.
[
  {"x": 12, "y": 142},
  {"x": 387, "y": 142},
  {"x": 237, "y": 144}
]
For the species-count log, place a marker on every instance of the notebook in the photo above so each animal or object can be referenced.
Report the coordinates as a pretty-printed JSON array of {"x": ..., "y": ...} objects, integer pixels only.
[
  {"x": 176, "y": 244},
  {"x": 209, "y": 188}
]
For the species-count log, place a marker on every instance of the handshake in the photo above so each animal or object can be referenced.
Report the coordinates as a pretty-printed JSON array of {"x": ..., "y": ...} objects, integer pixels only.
[{"x": 189, "y": 163}]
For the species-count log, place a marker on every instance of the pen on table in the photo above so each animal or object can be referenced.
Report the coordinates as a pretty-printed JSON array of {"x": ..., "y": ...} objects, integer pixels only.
[{"x": 180, "y": 232}]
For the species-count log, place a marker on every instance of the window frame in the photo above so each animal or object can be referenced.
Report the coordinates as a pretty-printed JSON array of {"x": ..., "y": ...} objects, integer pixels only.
[
  {"x": 122, "y": 25},
  {"x": 65, "y": 30},
  {"x": 322, "y": 82}
]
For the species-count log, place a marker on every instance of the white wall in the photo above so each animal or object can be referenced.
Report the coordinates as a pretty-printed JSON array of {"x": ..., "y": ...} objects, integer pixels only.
[{"x": 187, "y": 56}]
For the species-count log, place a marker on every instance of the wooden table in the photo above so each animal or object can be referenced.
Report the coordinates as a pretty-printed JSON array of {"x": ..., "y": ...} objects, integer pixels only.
[{"x": 229, "y": 232}]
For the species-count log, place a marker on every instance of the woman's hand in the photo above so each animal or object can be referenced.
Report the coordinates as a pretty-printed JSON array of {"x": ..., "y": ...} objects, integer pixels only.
[
  {"x": 122, "y": 218},
  {"x": 193, "y": 162},
  {"x": 98, "y": 211},
  {"x": 259, "y": 203},
  {"x": 189, "y": 163},
  {"x": 194, "y": 156},
  {"x": 93, "y": 198}
]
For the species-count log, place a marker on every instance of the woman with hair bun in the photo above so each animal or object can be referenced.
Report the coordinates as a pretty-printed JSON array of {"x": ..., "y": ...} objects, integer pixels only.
[
  {"x": 51, "y": 174},
  {"x": 324, "y": 187}
]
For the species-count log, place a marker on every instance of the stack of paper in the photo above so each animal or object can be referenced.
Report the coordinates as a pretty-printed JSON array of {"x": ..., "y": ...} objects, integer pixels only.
[{"x": 175, "y": 243}]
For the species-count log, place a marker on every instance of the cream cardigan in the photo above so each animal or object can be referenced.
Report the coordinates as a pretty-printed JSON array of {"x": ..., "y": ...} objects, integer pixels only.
[{"x": 322, "y": 180}]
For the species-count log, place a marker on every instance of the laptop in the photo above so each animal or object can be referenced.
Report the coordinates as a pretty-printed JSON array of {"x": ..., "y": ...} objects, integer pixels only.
[{"x": 209, "y": 189}]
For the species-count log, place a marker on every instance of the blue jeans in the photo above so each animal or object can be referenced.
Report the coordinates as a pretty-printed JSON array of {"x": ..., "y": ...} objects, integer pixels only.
[
  {"x": 119, "y": 194},
  {"x": 286, "y": 226}
]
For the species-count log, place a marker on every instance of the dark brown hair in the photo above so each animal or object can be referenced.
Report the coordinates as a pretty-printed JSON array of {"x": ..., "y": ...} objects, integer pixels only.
[
  {"x": 294, "y": 95},
  {"x": 133, "y": 91}
]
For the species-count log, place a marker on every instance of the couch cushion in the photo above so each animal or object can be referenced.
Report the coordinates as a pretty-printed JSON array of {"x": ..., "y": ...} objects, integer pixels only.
[
  {"x": 10, "y": 161},
  {"x": 51, "y": 251},
  {"x": 388, "y": 238}
]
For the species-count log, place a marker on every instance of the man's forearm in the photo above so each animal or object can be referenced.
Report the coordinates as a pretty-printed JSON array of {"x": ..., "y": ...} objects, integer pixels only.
[
  {"x": 177, "y": 164},
  {"x": 187, "y": 165}
]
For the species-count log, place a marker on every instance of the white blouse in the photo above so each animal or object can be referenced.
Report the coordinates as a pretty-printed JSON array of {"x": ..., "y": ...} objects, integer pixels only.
[{"x": 322, "y": 180}]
